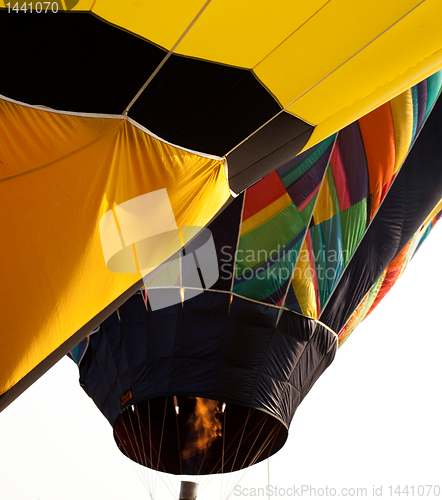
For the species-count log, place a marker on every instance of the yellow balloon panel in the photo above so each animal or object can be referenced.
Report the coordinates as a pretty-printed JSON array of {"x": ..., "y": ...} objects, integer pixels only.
[
  {"x": 242, "y": 33},
  {"x": 55, "y": 279},
  {"x": 327, "y": 41},
  {"x": 371, "y": 101},
  {"x": 225, "y": 31},
  {"x": 161, "y": 22}
]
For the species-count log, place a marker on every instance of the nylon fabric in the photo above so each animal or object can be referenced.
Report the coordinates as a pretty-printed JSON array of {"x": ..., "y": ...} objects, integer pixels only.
[
  {"x": 415, "y": 192},
  {"x": 246, "y": 359},
  {"x": 55, "y": 245},
  {"x": 351, "y": 66}
]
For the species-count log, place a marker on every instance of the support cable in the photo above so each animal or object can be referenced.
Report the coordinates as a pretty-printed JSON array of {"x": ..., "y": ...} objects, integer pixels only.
[
  {"x": 166, "y": 57},
  {"x": 161, "y": 439},
  {"x": 268, "y": 477},
  {"x": 240, "y": 441}
]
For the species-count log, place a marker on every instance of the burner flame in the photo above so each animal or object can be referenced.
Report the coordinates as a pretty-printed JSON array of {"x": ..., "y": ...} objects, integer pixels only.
[{"x": 206, "y": 427}]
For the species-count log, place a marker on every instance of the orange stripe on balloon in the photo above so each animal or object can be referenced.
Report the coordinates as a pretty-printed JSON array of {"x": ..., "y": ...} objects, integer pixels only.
[{"x": 377, "y": 129}]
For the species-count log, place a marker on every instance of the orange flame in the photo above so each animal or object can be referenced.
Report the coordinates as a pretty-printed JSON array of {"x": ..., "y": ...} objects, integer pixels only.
[{"x": 206, "y": 427}]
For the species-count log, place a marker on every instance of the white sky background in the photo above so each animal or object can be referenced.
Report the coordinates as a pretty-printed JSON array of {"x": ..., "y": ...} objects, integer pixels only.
[{"x": 373, "y": 418}]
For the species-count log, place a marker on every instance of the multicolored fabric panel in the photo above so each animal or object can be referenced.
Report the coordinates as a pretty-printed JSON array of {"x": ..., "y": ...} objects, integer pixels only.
[
  {"x": 276, "y": 214},
  {"x": 390, "y": 238},
  {"x": 302, "y": 223},
  {"x": 390, "y": 275},
  {"x": 363, "y": 164},
  {"x": 288, "y": 240}
]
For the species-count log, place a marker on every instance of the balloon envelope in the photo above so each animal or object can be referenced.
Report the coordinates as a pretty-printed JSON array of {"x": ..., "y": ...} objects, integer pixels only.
[
  {"x": 303, "y": 256},
  {"x": 192, "y": 97}
]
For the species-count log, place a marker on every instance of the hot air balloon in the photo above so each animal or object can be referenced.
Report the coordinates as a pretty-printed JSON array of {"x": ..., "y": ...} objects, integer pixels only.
[
  {"x": 105, "y": 101},
  {"x": 303, "y": 256}
]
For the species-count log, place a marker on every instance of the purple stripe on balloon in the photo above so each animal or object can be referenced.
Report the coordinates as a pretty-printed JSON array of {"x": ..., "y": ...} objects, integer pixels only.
[
  {"x": 301, "y": 189},
  {"x": 422, "y": 103},
  {"x": 354, "y": 160},
  {"x": 277, "y": 296},
  {"x": 295, "y": 161}
]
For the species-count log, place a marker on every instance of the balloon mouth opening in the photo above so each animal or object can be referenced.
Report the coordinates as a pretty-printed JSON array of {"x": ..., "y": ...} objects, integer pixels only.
[{"x": 167, "y": 434}]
